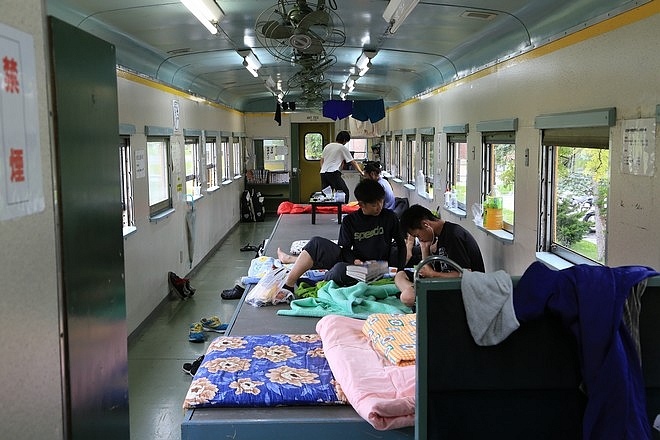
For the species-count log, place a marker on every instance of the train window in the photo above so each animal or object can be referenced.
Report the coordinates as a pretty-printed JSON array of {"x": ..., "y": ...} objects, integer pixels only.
[
  {"x": 125, "y": 169},
  {"x": 211, "y": 163},
  {"x": 457, "y": 166},
  {"x": 389, "y": 148},
  {"x": 274, "y": 154},
  {"x": 411, "y": 147},
  {"x": 236, "y": 156},
  {"x": 191, "y": 158},
  {"x": 499, "y": 172},
  {"x": 576, "y": 168},
  {"x": 313, "y": 146},
  {"x": 427, "y": 163},
  {"x": 158, "y": 166},
  {"x": 224, "y": 158},
  {"x": 397, "y": 157},
  {"x": 358, "y": 149}
]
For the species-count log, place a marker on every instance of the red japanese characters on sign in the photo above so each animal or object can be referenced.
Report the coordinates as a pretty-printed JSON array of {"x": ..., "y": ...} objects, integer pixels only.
[
  {"x": 16, "y": 165},
  {"x": 10, "y": 69}
]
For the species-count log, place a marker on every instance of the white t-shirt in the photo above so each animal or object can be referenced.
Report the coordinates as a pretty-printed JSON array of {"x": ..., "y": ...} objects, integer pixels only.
[{"x": 333, "y": 155}]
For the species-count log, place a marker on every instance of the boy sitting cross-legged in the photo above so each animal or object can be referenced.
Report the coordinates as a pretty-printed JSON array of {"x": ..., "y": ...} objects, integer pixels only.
[{"x": 371, "y": 233}]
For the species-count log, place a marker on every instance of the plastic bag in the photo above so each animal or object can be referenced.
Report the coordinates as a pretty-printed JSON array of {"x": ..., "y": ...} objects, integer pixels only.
[
  {"x": 260, "y": 266},
  {"x": 269, "y": 290},
  {"x": 478, "y": 214}
]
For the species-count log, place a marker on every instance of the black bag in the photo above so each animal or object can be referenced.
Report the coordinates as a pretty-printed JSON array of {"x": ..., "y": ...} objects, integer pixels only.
[
  {"x": 258, "y": 207},
  {"x": 247, "y": 209},
  {"x": 400, "y": 205}
]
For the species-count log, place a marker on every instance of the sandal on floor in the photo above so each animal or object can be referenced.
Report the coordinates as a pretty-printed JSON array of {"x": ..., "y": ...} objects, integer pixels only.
[
  {"x": 248, "y": 247},
  {"x": 192, "y": 367},
  {"x": 235, "y": 293}
]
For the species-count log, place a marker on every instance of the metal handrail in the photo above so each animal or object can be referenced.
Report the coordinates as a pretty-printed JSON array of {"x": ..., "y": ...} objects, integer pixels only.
[{"x": 442, "y": 258}]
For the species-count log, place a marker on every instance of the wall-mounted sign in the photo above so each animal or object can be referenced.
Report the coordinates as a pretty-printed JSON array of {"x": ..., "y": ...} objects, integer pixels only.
[
  {"x": 638, "y": 152},
  {"x": 21, "y": 191}
]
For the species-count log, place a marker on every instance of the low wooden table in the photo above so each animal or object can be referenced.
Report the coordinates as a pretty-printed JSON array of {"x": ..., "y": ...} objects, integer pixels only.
[{"x": 316, "y": 203}]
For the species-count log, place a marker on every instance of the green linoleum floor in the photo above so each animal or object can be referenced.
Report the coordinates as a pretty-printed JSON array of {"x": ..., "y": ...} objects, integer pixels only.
[{"x": 157, "y": 385}]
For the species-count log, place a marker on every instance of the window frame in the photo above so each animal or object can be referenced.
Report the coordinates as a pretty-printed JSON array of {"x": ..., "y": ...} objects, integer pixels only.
[
  {"x": 127, "y": 183},
  {"x": 160, "y": 206},
  {"x": 312, "y": 158},
  {"x": 211, "y": 165},
  {"x": 455, "y": 143},
  {"x": 225, "y": 159},
  {"x": 237, "y": 159},
  {"x": 490, "y": 141},
  {"x": 398, "y": 153},
  {"x": 411, "y": 155},
  {"x": 549, "y": 193},
  {"x": 427, "y": 162},
  {"x": 192, "y": 179}
]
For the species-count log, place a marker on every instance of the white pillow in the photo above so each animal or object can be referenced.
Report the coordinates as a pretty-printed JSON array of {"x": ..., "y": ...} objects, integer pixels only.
[{"x": 297, "y": 246}]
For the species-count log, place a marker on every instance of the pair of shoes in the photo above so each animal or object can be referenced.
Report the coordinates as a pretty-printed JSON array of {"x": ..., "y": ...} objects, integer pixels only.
[
  {"x": 234, "y": 293},
  {"x": 248, "y": 247},
  {"x": 213, "y": 324},
  {"x": 192, "y": 367},
  {"x": 196, "y": 333},
  {"x": 180, "y": 285}
]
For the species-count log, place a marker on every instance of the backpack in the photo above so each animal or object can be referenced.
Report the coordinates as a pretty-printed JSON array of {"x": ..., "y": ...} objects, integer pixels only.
[
  {"x": 247, "y": 209},
  {"x": 258, "y": 207}
]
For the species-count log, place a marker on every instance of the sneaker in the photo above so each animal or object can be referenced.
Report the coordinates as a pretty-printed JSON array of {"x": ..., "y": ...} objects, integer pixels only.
[
  {"x": 189, "y": 288},
  {"x": 178, "y": 284},
  {"x": 213, "y": 324},
  {"x": 234, "y": 293},
  {"x": 196, "y": 332},
  {"x": 192, "y": 367}
]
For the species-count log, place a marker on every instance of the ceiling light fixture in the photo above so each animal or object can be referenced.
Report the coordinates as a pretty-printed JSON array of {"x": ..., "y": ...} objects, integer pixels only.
[
  {"x": 397, "y": 11},
  {"x": 250, "y": 61},
  {"x": 207, "y": 12}
]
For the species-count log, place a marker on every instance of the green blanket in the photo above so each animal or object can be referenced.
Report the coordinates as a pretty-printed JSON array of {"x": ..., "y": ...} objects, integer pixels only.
[{"x": 358, "y": 301}]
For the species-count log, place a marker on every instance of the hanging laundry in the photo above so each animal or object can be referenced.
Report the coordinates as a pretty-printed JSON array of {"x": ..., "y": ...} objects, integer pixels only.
[{"x": 336, "y": 109}]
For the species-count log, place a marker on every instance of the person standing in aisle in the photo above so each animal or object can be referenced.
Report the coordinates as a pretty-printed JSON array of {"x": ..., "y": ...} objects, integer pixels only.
[{"x": 335, "y": 154}]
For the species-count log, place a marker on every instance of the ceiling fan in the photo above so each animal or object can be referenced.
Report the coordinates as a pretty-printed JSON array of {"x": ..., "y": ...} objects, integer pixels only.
[{"x": 292, "y": 29}]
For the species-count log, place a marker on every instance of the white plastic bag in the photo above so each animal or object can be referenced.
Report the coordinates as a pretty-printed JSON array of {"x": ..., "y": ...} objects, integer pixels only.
[
  {"x": 269, "y": 290},
  {"x": 478, "y": 214}
]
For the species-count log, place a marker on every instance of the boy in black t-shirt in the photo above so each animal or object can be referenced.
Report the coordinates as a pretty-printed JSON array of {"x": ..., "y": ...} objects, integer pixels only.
[
  {"x": 437, "y": 237},
  {"x": 367, "y": 234}
]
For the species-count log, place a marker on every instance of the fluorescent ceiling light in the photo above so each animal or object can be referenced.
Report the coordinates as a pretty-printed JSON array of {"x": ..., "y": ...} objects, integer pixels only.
[
  {"x": 365, "y": 59},
  {"x": 397, "y": 11},
  {"x": 207, "y": 12},
  {"x": 252, "y": 63}
]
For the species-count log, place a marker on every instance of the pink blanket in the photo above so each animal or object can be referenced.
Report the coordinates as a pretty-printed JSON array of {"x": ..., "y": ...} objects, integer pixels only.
[{"x": 382, "y": 393}]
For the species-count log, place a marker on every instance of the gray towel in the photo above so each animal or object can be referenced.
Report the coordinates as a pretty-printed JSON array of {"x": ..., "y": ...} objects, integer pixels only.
[{"x": 488, "y": 299}]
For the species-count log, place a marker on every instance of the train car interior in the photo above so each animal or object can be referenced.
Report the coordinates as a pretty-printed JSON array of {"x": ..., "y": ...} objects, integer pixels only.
[{"x": 156, "y": 153}]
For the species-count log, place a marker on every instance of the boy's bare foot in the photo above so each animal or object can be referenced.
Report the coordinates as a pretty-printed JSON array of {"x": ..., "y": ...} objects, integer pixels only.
[{"x": 284, "y": 257}]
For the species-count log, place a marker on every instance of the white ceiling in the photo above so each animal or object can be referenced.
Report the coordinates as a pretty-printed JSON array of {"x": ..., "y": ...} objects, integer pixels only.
[{"x": 436, "y": 44}]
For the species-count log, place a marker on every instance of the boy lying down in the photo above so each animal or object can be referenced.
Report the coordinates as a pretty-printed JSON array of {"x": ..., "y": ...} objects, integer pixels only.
[{"x": 371, "y": 233}]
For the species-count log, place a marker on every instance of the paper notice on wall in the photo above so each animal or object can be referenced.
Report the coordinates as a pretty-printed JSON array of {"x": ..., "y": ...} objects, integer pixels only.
[
  {"x": 21, "y": 191},
  {"x": 638, "y": 147}
]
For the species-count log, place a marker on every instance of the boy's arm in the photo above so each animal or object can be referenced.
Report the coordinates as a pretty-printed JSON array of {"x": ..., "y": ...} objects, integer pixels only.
[{"x": 345, "y": 241}]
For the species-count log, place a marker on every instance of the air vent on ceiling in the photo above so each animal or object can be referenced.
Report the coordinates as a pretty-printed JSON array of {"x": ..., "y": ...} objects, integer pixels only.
[{"x": 479, "y": 15}]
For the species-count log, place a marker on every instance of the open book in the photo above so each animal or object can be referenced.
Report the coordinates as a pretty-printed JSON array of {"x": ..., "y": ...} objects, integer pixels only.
[{"x": 368, "y": 271}]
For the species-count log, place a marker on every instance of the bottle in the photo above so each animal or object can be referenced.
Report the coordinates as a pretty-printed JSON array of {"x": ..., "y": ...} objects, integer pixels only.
[
  {"x": 447, "y": 197},
  {"x": 453, "y": 198}
]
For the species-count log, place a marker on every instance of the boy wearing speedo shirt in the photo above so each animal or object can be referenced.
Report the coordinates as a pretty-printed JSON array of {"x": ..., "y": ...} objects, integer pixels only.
[{"x": 371, "y": 233}]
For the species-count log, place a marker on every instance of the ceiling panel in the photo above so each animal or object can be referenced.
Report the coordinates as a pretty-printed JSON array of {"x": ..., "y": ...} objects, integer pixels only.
[{"x": 438, "y": 43}]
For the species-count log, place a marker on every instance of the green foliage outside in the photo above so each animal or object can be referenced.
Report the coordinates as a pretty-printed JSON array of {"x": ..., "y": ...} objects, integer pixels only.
[{"x": 313, "y": 146}]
